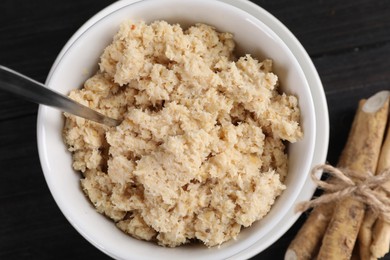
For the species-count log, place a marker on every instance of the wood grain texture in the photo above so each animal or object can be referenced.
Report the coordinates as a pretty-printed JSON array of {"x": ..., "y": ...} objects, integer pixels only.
[{"x": 349, "y": 42}]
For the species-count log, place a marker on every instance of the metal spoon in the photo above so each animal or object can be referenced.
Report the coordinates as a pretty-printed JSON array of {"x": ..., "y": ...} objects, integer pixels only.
[{"x": 31, "y": 90}]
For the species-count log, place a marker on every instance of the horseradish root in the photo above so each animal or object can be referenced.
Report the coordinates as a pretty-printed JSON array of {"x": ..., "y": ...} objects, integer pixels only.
[
  {"x": 381, "y": 231},
  {"x": 308, "y": 240},
  {"x": 365, "y": 234},
  {"x": 331, "y": 229},
  {"x": 361, "y": 156}
]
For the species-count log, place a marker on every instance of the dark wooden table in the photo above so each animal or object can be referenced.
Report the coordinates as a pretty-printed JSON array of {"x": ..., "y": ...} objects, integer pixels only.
[{"x": 349, "y": 42}]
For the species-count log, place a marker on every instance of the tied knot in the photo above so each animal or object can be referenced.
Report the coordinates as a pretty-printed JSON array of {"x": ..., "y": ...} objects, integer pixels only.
[{"x": 369, "y": 189}]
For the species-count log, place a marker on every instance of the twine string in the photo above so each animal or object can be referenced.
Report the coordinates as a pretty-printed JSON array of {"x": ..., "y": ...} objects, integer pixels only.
[{"x": 368, "y": 189}]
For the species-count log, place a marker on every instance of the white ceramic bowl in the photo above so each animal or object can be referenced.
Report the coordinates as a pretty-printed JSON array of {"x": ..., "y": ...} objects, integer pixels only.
[{"x": 78, "y": 60}]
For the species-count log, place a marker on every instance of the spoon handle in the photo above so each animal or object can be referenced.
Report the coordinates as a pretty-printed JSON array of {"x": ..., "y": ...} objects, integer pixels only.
[{"x": 31, "y": 90}]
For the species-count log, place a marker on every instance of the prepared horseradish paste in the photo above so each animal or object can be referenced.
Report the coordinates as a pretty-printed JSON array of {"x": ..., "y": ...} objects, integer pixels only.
[{"x": 200, "y": 153}]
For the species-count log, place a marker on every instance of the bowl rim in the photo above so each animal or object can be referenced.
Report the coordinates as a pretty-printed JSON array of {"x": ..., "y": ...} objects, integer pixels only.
[{"x": 241, "y": 4}]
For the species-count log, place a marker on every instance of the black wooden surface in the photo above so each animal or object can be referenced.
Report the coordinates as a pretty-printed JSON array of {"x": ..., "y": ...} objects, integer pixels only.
[{"x": 349, "y": 42}]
